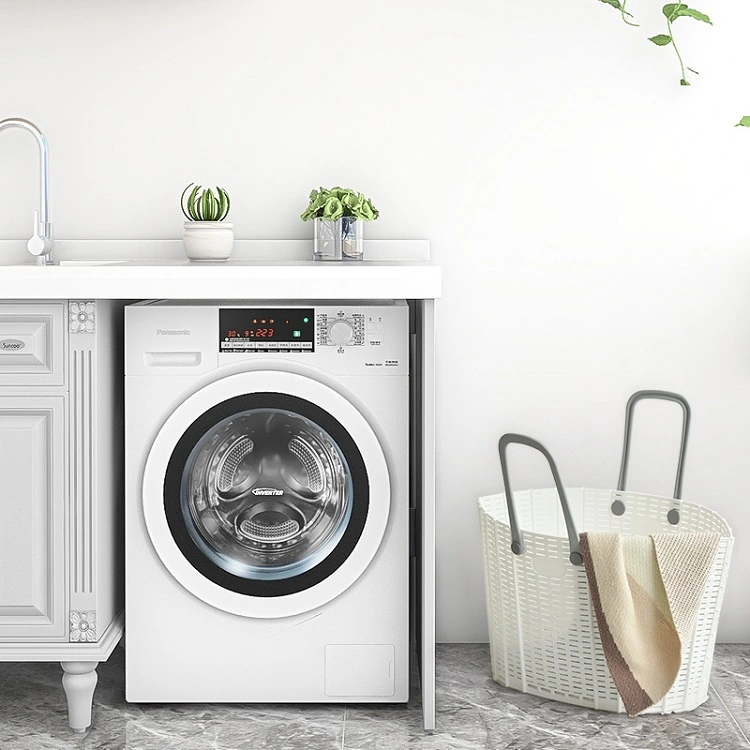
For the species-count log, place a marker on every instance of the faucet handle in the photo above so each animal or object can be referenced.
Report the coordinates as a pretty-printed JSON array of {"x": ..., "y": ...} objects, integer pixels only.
[{"x": 41, "y": 241}]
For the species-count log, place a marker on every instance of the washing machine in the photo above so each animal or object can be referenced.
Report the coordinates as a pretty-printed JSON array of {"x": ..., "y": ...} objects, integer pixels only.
[{"x": 267, "y": 501}]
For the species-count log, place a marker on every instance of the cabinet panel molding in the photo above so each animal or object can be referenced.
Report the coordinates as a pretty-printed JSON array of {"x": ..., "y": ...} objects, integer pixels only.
[
  {"x": 32, "y": 535},
  {"x": 32, "y": 349}
]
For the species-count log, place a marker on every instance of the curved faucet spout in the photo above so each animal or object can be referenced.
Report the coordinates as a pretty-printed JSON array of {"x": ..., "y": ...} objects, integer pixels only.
[{"x": 41, "y": 242}]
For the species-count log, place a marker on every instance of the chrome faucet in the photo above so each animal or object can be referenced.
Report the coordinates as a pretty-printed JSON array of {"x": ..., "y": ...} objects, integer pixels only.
[{"x": 41, "y": 241}]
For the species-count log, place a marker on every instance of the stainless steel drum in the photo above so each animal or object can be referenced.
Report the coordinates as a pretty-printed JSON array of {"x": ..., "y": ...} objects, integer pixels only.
[{"x": 266, "y": 493}]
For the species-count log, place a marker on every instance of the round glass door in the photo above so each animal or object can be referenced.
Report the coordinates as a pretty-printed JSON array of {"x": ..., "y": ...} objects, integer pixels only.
[{"x": 266, "y": 494}]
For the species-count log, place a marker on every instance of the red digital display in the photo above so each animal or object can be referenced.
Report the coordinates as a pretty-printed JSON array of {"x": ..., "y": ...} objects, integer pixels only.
[
  {"x": 248, "y": 329},
  {"x": 259, "y": 333}
]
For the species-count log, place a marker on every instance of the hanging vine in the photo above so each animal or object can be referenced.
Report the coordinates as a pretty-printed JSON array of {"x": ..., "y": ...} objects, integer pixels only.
[{"x": 671, "y": 11}]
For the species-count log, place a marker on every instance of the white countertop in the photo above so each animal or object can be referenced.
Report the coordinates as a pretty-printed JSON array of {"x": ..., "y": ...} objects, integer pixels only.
[{"x": 111, "y": 270}]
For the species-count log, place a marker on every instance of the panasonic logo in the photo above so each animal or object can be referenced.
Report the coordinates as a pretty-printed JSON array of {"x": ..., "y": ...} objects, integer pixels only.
[
  {"x": 172, "y": 332},
  {"x": 11, "y": 344},
  {"x": 267, "y": 491}
]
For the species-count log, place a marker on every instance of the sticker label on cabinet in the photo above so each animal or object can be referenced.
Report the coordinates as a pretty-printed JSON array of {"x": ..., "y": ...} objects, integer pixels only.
[{"x": 11, "y": 345}]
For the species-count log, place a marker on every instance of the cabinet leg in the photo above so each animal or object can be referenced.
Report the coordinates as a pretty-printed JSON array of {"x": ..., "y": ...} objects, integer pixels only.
[{"x": 79, "y": 683}]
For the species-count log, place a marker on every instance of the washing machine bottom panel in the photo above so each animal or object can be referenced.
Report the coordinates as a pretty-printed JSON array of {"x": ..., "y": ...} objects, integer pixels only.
[
  {"x": 355, "y": 648},
  {"x": 311, "y": 659},
  {"x": 336, "y": 673}
]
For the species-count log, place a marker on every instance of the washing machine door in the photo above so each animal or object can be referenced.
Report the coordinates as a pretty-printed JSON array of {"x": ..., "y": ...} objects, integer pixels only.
[{"x": 266, "y": 494}]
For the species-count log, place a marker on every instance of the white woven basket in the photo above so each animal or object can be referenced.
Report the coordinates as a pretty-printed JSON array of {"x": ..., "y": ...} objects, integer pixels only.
[{"x": 544, "y": 638}]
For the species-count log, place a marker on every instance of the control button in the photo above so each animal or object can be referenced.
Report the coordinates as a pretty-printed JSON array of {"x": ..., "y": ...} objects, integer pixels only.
[
  {"x": 307, "y": 344},
  {"x": 295, "y": 344},
  {"x": 340, "y": 332}
]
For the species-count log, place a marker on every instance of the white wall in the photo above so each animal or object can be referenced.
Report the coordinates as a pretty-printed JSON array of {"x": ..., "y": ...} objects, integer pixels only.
[{"x": 589, "y": 213}]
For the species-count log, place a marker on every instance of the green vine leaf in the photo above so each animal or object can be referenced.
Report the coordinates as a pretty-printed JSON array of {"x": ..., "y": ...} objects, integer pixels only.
[
  {"x": 617, "y": 4},
  {"x": 684, "y": 82},
  {"x": 670, "y": 10},
  {"x": 661, "y": 40},
  {"x": 692, "y": 13},
  {"x": 744, "y": 122},
  {"x": 677, "y": 10}
]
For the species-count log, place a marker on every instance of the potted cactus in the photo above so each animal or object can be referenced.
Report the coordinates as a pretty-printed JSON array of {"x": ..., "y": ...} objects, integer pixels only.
[
  {"x": 339, "y": 215},
  {"x": 205, "y": 235}
]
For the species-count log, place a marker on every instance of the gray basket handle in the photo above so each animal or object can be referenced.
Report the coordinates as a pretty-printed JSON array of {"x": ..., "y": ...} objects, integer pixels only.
[
  {"x": 515, "y": 531},
  {"x": 664, "y": 396}
]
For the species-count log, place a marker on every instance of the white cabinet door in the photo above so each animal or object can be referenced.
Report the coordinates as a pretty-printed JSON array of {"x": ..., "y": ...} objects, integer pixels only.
[
  {"x": 32, "y": 336},
  {"x": 32, "y": 570}
]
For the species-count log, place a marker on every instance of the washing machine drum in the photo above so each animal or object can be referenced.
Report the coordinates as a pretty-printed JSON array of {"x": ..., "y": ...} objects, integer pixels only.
[{"x": 266, "y": 494}]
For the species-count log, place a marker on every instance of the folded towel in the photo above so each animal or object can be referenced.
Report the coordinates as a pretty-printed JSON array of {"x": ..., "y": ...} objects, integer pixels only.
[{"x": 646, "y": 591}]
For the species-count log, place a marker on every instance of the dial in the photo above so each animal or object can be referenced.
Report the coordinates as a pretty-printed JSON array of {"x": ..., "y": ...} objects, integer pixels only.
[{"x": 340, "y": 332}]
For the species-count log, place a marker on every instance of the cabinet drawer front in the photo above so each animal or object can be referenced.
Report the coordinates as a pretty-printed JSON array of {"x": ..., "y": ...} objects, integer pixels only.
[
  {"x": 32, "y": 564},
  {"x": 31, "y": 344}
]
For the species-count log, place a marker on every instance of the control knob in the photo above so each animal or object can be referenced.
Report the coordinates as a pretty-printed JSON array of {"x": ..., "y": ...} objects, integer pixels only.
[{"x": 340, "y": 333}]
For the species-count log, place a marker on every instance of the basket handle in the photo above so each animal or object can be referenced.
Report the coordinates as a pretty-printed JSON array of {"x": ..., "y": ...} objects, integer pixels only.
[
  {"x": 516, "y": 545},
  {"x": 664, "y": 396}
]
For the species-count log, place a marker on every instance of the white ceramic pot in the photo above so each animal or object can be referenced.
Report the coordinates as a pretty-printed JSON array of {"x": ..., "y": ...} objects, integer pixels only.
[{"x": 207, "y": 240}]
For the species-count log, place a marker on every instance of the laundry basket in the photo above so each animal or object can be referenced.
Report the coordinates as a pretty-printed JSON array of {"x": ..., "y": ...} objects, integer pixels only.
[{"x": 544, "y": 638}]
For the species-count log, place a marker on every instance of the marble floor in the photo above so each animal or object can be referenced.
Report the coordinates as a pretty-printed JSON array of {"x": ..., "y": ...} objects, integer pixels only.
[{"x": 473, "y": 713}]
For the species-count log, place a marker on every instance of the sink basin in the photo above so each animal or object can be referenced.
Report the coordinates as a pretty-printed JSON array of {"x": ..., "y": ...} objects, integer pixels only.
[{"x": 91, "y": 262}]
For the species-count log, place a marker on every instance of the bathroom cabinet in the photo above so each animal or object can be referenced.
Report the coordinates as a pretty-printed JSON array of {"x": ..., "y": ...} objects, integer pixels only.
[{"x": 61, "y": 488}]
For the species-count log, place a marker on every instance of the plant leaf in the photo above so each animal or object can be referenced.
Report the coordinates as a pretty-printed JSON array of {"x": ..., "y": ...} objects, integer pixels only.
[
  {"x": 221, "y": 204},
  {"x": 684, "y": 82},
  {"x": 692, "y": 70},
  {"x": 661, "y": 40},
  {"x": 683, "y": 10},
  {"x": 617, "y": 4},
  {"x": 192, "y": 208},
  {"x": 744, "y": 122},
  {"x": 182, "y": 201},
  {"x": 670, "y": 10},
  {"x": 227, "y": 203},
  {"x": 204, "y": 204}
]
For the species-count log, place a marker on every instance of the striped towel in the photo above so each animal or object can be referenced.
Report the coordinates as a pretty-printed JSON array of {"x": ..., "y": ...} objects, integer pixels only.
[{"x": 646, "y": 591}]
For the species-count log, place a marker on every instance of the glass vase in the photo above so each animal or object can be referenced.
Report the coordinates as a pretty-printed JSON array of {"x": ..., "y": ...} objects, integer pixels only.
[
  {"x": 339, "y": 239},
  {"x": 352, "y": 239},
  {"x": 327, "y": 239}
]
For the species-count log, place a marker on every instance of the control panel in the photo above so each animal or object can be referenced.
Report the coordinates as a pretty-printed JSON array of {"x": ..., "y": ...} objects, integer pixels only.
[
  {"x": 300, "y": 329},
  {"x": 348, "y": 337},
  {"x": 341, "y": 328},
  {"x": 266, "y": 330}
]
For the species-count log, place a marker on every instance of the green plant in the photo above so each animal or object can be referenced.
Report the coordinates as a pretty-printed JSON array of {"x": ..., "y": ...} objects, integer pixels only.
[
  {"x": 337, "y": 202},
  {"x": 621, "y": 7},
  {"x": 744, "y": 122},
  {"x": 204, "y": 206},
  {"x": 673, "y": 11}
]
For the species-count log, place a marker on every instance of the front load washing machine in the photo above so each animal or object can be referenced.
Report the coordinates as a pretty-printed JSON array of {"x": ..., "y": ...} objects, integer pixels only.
[{"x": 267, "y": 506}]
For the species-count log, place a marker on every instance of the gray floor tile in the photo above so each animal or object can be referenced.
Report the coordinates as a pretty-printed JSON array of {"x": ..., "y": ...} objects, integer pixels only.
[
  {"x": 473, "y": 713},
  {"x": 33, "y": 716},
  {"x": 730, "y": 678}
]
